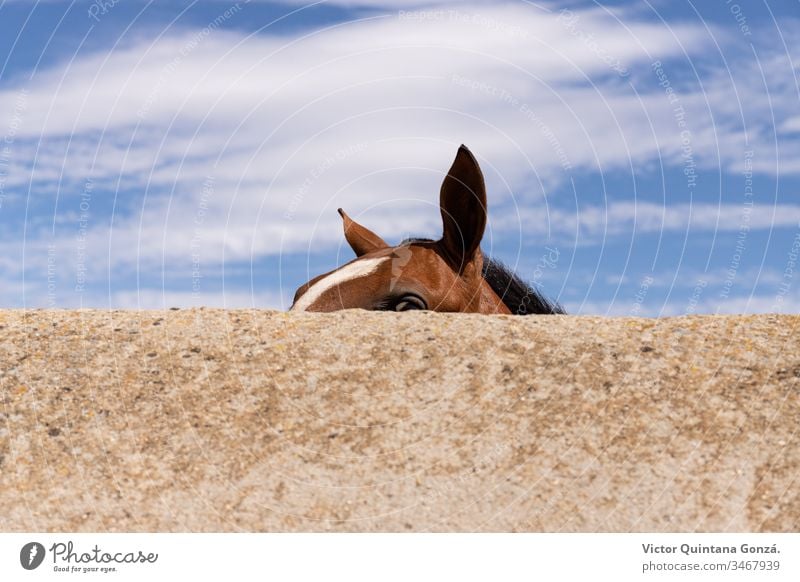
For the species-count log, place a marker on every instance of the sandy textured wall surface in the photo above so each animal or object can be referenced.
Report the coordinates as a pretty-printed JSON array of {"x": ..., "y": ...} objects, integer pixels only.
[{"x": 213, "y": 420}]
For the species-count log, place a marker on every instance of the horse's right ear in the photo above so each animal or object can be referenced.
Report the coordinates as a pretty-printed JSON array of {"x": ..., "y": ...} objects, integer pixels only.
[
  {"x": 361, "y": 240},
  {"x": 463, "y": 204}
]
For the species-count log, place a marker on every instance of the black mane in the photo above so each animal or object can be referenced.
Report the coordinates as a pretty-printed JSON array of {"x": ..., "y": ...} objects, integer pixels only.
[{"x": 520, "y": 297}]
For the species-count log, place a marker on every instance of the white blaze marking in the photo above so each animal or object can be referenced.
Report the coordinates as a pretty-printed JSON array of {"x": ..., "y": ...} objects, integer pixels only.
[{"x": 349, "y": 272}]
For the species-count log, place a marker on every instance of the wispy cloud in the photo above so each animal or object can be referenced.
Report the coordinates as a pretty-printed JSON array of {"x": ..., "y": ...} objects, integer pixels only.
[
  {"x": 591, "y": 223},
  {"x": 261, "y": 113}
]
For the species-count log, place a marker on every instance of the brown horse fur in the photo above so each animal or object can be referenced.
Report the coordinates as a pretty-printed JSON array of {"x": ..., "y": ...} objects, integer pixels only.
[{"x": 450, "y": 274}]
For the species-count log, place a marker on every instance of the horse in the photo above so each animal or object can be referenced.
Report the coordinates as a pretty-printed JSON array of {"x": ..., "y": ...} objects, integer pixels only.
[{"x": 447, "y": 275}]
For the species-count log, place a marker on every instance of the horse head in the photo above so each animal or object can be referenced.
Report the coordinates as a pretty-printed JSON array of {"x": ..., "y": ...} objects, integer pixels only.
[{"x": 449, "y": 274}]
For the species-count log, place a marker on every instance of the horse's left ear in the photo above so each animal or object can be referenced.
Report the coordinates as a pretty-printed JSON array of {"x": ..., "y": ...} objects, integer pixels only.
[
  {"x": 361, "y": 239},
  {"x": 463, "y": 204}
]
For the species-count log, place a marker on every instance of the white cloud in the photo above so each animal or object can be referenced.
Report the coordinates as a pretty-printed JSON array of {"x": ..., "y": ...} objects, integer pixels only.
[
  {"x": 591, "y": 223},
  {"x": 791, "y": 125}
]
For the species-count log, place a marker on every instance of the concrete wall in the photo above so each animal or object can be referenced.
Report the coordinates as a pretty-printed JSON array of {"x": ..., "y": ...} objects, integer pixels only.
[{"x": 212, "y": 420}]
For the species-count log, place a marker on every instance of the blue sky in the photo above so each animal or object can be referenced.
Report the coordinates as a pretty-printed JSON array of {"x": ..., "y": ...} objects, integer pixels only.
[{"x": 641, "y": 158}]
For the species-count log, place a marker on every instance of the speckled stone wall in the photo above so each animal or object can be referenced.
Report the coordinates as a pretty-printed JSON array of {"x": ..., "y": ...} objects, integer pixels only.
[{"x": 213, "y": 420}]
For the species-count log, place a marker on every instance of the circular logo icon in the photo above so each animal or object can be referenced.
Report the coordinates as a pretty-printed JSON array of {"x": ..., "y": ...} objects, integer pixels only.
[{"x": 31, "y": 555}]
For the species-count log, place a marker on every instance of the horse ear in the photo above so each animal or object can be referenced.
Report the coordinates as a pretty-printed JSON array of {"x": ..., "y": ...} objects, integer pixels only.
[
  {"x": 463, "y": 204},
  {"x": 361, "y": 240}
]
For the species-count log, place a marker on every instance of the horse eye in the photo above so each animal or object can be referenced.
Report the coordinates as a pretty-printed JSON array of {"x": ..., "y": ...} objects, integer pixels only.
[{"x": 409, "y": 303}]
